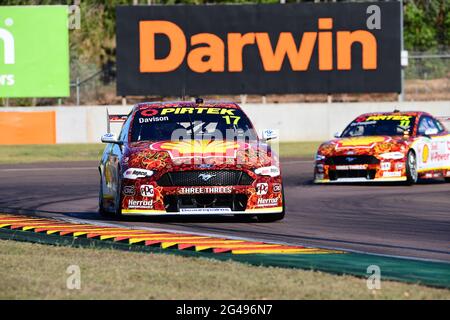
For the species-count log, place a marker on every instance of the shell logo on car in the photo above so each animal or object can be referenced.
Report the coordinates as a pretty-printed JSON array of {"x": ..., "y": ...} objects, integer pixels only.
[{"x": 200, "y": 148}]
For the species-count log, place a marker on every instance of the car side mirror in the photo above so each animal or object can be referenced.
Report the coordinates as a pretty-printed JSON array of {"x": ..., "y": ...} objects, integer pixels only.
[
  {"x": 269, "y": 134},
  {"x": 431, "y": 132},
  {"x": 337, "y": 134},
  {"x": 111, "y": 138}
]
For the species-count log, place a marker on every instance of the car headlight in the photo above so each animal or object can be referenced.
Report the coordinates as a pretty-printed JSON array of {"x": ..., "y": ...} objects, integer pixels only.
[
  {"x": 392, "y": 155},
  {"x": 271, "y": 171},
  {"x": 320, "y": 157},
  {"x": 135, "y": 173}
]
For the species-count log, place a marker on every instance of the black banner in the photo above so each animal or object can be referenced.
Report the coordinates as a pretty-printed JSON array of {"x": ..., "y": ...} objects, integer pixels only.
[
  {"x": 259, "y": 49},
  {"x": 230, "y": 309}
]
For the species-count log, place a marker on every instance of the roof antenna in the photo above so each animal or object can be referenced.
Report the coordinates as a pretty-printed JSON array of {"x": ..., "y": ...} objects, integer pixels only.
[
  {"x": 108, "y": 126},
  {"x": 198, "y": 100}
]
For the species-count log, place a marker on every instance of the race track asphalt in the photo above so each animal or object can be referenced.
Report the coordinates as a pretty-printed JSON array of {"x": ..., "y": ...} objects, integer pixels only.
[{"x": 398, "y": 220}]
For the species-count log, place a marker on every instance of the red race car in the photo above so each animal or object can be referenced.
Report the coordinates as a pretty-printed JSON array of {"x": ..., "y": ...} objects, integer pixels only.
[
  {"x": 186, "y": 158},
  {"x": 391, "y": 146}
]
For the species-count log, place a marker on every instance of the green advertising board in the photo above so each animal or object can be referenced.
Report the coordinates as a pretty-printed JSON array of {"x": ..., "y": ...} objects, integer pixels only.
[{"x": 34, "y": 51}]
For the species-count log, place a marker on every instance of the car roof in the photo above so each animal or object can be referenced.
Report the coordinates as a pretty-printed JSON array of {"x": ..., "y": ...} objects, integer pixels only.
[
  {"x": 172, "y": 104},
  {"x": 402, "y": 113}
]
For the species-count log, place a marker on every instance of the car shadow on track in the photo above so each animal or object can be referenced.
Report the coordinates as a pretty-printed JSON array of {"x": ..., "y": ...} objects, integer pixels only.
[
  {"x": 184, "y": 219},
  {"x": 373, "y": 184},
  {"x": 94, "y": 215}
]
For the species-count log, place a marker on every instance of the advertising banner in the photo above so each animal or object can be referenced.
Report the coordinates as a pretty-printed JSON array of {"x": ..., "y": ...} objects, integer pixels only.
[
  {"x": 34, "y": 51},
  {"x": 259, "y": 49}
]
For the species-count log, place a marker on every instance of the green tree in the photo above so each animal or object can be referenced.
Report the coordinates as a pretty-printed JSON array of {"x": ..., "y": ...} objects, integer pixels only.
[{"x": 426, "y": 25}]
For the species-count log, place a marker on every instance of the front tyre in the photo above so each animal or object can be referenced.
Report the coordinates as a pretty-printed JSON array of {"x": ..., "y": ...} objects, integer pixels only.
[
  {"x": 101, "y": 207},
  {"x": 118, "y": 199},
  {"x": 411, "y": 168}
]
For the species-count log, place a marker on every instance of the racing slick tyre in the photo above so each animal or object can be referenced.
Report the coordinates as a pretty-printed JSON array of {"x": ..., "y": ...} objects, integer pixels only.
[
  {"x": 411, "y": 168},
  {"x": 272, "y": 217},
  {"x": 101, "y": 209},
  {"x": 118, "y": 200}
]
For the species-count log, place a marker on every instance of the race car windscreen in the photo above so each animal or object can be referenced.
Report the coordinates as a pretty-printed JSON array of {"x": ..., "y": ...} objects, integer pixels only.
[
  {"x": 380, "y": 125},
  {"x": 191, "y": 123}
]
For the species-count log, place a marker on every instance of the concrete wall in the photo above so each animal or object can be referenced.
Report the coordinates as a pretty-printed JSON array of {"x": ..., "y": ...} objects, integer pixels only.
[
  {"x": 296, "y": 121},
  {"x": 319, "y": 121}
]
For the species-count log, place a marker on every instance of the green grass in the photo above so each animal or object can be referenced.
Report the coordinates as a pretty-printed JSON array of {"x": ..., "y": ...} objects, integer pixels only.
[
  {"x": 84, "y": 152},
  {"x": 50, "y": 153},
  {"x": 299, "y": 149},
  {"x": 34, "y": 271}
]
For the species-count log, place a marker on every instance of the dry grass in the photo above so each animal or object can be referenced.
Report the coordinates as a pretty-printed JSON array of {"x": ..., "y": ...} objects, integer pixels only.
[
  {"x": 299, "y": 149},
  {"x": 33, "y": 271},
  {"x": 92, "y": 151},
  {"x": 50, "y": 153},
  {"x": 416, "y": 90},
  {"x": 98, "y": 94},
  {"x": 422, "y": 90}
]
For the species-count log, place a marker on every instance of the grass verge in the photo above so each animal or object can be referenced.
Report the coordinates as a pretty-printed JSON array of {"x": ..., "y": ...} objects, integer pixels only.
[
  {"x": 50, "y": 153},
  {"x": 92, "y": 151},
  {"x": 34, "y": 271},
  {"x": 305, "y": 149}
]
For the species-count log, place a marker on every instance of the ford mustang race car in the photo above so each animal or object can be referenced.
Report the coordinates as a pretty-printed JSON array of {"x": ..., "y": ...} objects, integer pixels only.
[
  {"x": 392, "y": 146},
  {"x": 186, "y": 158}
]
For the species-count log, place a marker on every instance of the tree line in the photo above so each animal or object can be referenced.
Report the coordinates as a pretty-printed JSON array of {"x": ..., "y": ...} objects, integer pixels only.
[{"x": 426, "y": 24}]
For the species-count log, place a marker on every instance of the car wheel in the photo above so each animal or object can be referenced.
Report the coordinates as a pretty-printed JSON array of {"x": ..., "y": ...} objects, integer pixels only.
[
  {"x": 118, "y": 199},
  {"x": 101, "y": 208},
  {"x": 411, "y": 168},
  {"x": 447, "y": 180}
]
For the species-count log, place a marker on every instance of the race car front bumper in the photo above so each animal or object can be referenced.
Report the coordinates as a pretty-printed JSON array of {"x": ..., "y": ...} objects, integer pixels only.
[
  {"x": 358, "y": 180},
  {"x": 146, "y": 197},
  {"x": 385, "y": 171},
  {"x": 201, "y": 211}
]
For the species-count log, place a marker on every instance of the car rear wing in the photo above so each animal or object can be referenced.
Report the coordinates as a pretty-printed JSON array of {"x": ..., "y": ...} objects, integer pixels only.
[{"x": 114, "y": 118}]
